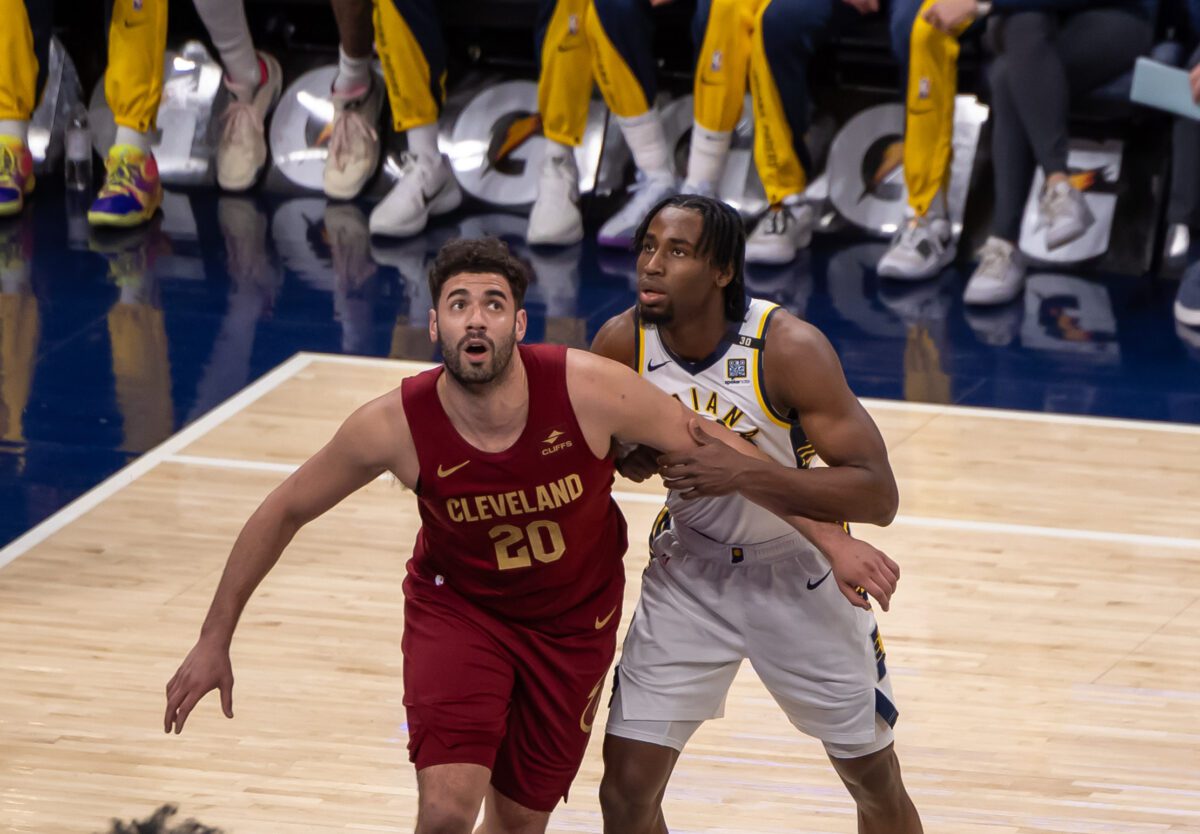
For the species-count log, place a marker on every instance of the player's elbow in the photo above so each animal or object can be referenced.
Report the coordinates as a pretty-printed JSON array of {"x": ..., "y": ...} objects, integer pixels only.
[{"x": 887, "y": 502}]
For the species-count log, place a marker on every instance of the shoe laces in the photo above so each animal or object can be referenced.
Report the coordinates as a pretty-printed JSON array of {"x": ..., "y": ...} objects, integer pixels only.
[
  {"x": 1055, "y": 202},
  {"x": 994, "y": 258},
  {"x": 351, "y": 133},
  {"x": 120, "y": 178},
  {"x": 777, "y": 220},
  {"x": 240, "y": 119},
  {"x": 10, "y": 165}
]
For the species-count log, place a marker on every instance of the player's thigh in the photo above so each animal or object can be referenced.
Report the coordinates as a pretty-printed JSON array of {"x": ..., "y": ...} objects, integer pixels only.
[
  {"x": 684, "y": 644},
  {"x": 458, "y": 679},
  {"x": 558, "y": 689}
]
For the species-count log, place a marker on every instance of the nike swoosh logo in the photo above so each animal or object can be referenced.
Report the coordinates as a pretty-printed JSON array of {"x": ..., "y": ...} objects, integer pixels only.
[
  {"x": 812, "y": 586},
  {"x": 442, "y": 473},
  {"x": 651, "y": 367},
  {"x": 602, "y": 623}
]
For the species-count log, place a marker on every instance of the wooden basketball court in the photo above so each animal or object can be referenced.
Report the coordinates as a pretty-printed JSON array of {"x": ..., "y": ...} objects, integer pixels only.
[{"x": 1044, "y": 642}]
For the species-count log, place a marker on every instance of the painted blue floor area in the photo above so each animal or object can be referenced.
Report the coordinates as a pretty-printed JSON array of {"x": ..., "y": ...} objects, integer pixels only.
[{"x": 110, "y": 343}]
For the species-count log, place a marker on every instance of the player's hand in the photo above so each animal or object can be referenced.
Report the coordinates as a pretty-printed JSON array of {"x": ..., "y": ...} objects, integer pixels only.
[
  {"x": 207, "y": 667},
  {"x": 863, "y": 6},
  {"x": 1195, "y": 77},
  {"x": 708, "y": 469},
  {"x": 857, "y": 564},
  {"x": 639, "y": 464},
  {"x": 948, "y": 15}
]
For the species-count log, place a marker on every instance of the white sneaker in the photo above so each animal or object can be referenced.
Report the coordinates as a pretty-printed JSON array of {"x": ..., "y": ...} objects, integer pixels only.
[
  {"x": 426, "y": 188},
  {"x": 353, "y": 142},
  {"x": 780, "y": 234},
  {"x": 555, "y": 219},
  {"x": 645, "y": 194},
  {"x": 242, "y": 152},
  {"x": 1000, "y": 276},
  {"x": 920, "y": 250},
  {"x": 1064, "y": 214}
]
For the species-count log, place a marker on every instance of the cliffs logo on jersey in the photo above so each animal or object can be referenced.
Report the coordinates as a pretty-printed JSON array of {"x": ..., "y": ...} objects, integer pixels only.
[{"x": 555, "y": 443}]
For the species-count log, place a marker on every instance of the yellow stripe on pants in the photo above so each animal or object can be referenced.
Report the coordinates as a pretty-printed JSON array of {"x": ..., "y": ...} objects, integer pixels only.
[
  {"x": 929, "y": 131},
  {"x": 405, "y": 70},
  {"x": 723, "y": 65},
  {"x": 775, "y": 156},
  {"x": 18, "y": 64},
  {"x": 565, "y": 82},
  {"x": 137, "y": 41}
]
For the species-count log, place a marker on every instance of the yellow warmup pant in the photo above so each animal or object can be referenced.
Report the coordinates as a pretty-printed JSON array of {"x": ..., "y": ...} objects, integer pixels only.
[
  {"x": 18, "y": 64},
  {"x": 137, "y": 40},
  {"x": 625, "y": 74},
  {"x": 723, "y": 65},
  {"x": 565, "y": 74},
  {"x": 779, "y": 166},
  {"x": 929, "y": 128},
  {"x": 411, "y": 50}
]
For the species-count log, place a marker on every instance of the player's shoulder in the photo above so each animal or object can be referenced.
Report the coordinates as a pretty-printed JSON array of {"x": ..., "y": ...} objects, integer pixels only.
[
  {"x": 789, "y": 337},
  {"x": 617, "y": 338}
]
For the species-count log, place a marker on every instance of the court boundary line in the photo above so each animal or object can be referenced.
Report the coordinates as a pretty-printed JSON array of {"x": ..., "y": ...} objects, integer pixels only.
[
  {"x": 147, "y": 461},
  {"x": 301, "y": 360},
  {"x": 885, "y": 405},
  {"x": 925, "y": 522}
]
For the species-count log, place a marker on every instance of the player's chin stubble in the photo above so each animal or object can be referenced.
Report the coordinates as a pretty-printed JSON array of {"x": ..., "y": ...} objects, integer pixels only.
[
  {"x": 466, "y": 374},
  {"x": 662, "y": 316}
]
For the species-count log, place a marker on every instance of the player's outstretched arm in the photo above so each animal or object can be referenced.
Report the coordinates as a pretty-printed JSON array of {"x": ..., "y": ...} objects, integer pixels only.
[
  {"x": 370, "y": 442},
  {"x": 802, "y": 373}
]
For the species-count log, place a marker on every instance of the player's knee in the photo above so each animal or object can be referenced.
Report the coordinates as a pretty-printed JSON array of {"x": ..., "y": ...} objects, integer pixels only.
[
  {"x": 445, "y": 816},
  {"x": 627, "y": 800},
  {"x": 874, "y": 781}
]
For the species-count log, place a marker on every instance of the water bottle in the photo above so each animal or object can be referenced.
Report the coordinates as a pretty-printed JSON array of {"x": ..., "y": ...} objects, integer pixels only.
[{"x": 78, "y": 173}]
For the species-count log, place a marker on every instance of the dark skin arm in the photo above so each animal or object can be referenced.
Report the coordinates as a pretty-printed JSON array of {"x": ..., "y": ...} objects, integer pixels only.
[
  {"x": 802, "y": 373},
  {"x": 856, "y": 563}
]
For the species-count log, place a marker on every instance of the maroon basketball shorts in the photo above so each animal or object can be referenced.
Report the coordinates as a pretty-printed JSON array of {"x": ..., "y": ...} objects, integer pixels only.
[{"x": 482, "y": 690}]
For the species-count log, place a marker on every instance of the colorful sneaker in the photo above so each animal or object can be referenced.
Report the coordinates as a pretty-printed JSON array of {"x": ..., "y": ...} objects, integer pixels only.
[
  {"x": 132, "y": 191},
  {"x": 16, "y": 175}
]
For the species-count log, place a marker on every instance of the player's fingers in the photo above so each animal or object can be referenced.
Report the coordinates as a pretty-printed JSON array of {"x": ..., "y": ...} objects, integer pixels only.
[
  {"x": 887, "y": 572},
  {"x": 879, "y": 591},
  {"x": 185, "y": 709},
  {"x": 894, "y": 565},
  {"x": 227, "y": 697},
  {"x": 853, "y": 596}
]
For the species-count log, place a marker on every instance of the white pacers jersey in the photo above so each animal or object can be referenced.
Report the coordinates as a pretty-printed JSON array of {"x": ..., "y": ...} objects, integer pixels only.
[{"x": 728, "y": 387}]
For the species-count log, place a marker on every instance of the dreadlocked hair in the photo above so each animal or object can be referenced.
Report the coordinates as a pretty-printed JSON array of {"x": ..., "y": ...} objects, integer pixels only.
[{"x": 722, "y": 241}]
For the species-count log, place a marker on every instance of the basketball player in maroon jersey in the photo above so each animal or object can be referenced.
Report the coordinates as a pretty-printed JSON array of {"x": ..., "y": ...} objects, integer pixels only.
[{"x": 513, "y": 593}]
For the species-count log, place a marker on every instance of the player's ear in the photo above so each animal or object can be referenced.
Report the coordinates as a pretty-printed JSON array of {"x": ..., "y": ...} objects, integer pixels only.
[
  {"x": 722, "y": 275},
  {"x": 522, "y": 324},
  {"x": 433, "y": 326}
]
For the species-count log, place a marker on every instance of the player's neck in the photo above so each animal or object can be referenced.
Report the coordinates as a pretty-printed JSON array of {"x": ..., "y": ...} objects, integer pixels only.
[
  {"x": 489, "y": 415},
  {"x": 695, "y": 336}
]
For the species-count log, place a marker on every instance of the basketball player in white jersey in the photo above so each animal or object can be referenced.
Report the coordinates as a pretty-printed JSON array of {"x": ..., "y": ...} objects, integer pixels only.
[{"x": 728, "y": 580}]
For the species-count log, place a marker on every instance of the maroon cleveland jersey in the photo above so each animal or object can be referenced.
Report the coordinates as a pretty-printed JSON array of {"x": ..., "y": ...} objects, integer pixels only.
[{"x": 529, "y": 533}]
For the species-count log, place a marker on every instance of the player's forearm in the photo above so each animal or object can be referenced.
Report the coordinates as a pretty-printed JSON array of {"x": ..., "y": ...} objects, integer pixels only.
[
  {"x": 830, "y": 494},
  {"x": 823, "y": 534},
  {"x": 257, "y": 549}
]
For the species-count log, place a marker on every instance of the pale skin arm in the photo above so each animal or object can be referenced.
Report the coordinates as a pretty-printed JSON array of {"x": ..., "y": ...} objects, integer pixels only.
[
  {"x": 373, "y": 440},
  {"x": 613, "y": 402}
]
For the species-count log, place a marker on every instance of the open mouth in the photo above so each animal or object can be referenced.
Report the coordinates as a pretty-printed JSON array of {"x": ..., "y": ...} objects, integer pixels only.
[
  {"x": 476, "y": 349},
  {"x": 651, "y": 297}
]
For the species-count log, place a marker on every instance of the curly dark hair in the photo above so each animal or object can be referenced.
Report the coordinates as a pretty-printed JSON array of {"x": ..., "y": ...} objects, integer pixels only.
[
  {"x": 722, "y": 241},
  {"x": 157, "y": 824},
  {"x": 486, "y": 255}
]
